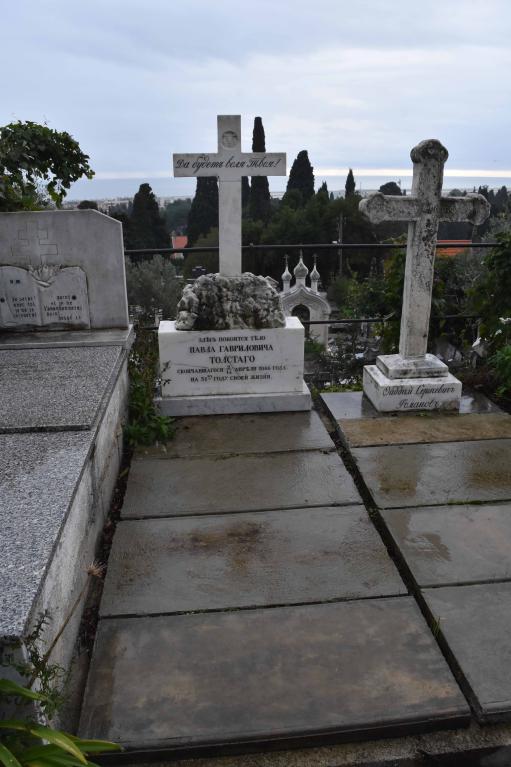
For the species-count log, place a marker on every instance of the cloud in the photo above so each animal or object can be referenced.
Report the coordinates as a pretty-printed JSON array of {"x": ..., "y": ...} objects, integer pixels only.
[{"x": 357, "y": 84}]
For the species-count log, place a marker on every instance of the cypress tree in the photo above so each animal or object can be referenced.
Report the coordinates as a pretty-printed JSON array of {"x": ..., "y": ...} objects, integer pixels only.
[
  {"x": 301, "y": 176},
  {"x": 322, "y": 193},
  {"x": 203, "y": 214},
  {"x": 147, "y": 228},
  {"x": 260, "y": 206},
  {"x": 350, "y": 185}
]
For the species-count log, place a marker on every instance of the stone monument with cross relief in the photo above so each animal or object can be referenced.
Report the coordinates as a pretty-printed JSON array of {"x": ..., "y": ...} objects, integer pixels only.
[
  {"x": 231, "y": 349},
  {"x": 413, "y": 379}
]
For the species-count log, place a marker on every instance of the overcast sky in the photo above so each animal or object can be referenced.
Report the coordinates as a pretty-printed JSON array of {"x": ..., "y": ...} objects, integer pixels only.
[{"x": 355, "y": 82}]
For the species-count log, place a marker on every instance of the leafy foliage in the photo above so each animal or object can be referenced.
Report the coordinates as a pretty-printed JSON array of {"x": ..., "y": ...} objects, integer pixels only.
[
  {"x": 145, "y": 425},
  {"x": 176, "y": 213},
  {"x": 491, "y": 295},
  {"x": 153, "y": 285},
  {"x": 49, "y": 676},
  {"x": 500, "y": 363},
  {"x": 87, "y": 205},
  {"x": 36, "y": 161},
  {"x": 391, "y": 188},
  {"x": 26, "y": 743}
]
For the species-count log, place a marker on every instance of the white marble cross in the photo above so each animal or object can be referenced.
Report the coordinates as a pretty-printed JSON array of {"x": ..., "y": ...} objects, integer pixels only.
[
  {"x": 229, "y": 164},
  {"x": 423, "y": 209}
]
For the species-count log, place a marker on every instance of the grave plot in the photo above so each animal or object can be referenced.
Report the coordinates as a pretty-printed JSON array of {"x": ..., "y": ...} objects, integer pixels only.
[{"x": 229, "y": 630}]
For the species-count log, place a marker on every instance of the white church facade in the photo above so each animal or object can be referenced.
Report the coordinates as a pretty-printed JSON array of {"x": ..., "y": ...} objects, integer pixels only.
[{"x": 304, "y": 302}]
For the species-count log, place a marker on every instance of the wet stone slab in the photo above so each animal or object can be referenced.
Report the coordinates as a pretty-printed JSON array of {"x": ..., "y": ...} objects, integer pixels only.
[
  {"x": 355, "y": 405},
  {"x": 445, "y": 545},
  {"x": 230, "y": 435},
  {"x": 448, "y": 472},
  {"x": 426, "y": 428},
  {"x": 178, "y": 486},
  {"x": 475, "y": 622},
  {"x": 363, "y": 426},
  {"x": 245, "y": 560},
  {"x": 362, "y": 667},
  {"x": 54, "y": 389}
]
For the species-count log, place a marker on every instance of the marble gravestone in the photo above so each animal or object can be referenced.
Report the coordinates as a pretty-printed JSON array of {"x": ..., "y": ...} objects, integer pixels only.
[
  {"x": 61, "y": 270},
  {"x": 413, "y": 379},
  {"x": 232, "y": 350}
]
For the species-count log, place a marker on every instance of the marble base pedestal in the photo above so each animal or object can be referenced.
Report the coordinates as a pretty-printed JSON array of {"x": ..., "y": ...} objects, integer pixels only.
[
  {"x": 437, "y": 389},
  {"x": 232, "y": 371}
]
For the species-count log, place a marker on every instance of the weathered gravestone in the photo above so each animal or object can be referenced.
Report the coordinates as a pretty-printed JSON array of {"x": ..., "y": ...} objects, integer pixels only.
[
  {"x": 61, "y": 270},
  {"x": 231, "y": 350},
  {"x": 414, "y": 379}
]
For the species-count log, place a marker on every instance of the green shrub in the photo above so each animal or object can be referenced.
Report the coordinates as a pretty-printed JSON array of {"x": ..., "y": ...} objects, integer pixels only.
[
  {"x": 500, "y": 363},
  {"x": 153, "y": 285},
  {"x": 26, "y": 743}
]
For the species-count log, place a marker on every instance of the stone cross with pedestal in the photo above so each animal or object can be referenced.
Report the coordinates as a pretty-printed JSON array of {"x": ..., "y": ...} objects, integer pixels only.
[
  {"x": 231, "y": 349},
  {"x": 414, "y": 379},
  {"x": 229, "y": 164}
]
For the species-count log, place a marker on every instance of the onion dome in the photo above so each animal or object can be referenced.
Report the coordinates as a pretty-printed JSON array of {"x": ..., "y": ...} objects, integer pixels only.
[
  {"x": 315, "y": 276},
  {"x": 300, "y": 272},
  {"x": 286, "y": 277}
]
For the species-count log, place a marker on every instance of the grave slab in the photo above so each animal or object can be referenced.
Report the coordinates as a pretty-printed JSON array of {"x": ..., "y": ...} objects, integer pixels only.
[
  {"x": 257, "y": 676},
  {"x": 448, "y": 472},
  {"x": 55, "y": 389},
  {"x": 158, "y": 488},
  {"x": 39, "y": 474},
  {"x": 224, "y": 435},
  {"x": 447, "y": 545},
  {"x": 475, "y": 622},
  {"x": 426, "y": 428},
  {"x": 246, "y": 560},
  {"x": 53, "y": 339},
  {"x": 354, "y": 405}
]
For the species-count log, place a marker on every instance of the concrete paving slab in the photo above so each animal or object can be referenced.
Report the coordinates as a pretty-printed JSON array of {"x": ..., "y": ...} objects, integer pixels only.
[
  {"x": 259, "y": 676},
  {"x": 235, "y": 434},
  {"x": 354, "y": 405},
  {"x": 427, "y": 428},
  {"x": 246, "y": 560},
  {"x": 55, "y": 389},
  {"x": 38, "y": 477},
  {"x": 448, "y": 472},
  {"x": 158, "y": 488},
  {"x": 446, "y": 545},
  {"x": 349, "y": 404},
  {"x": 475, "y": 622}
]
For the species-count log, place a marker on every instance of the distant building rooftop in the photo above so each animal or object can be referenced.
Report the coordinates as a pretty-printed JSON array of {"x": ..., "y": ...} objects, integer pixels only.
[
  {"x": 179, "y": 241},
  {"x": 455, "y": 247}
]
